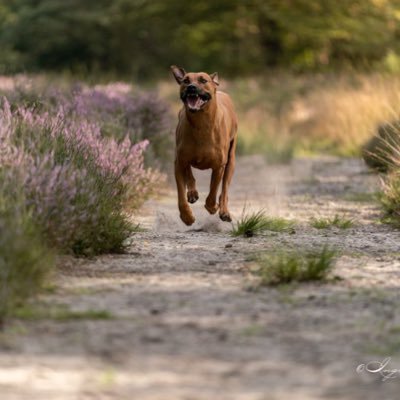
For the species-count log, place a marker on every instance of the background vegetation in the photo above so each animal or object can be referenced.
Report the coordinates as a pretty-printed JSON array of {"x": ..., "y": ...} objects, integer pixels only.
[{"x": 141, "y": 38}]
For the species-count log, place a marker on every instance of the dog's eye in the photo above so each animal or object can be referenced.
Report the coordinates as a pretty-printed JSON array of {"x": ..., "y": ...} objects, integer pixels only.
[
  {"x": 202, "y": 80},
  {"x": 186, "y": 80}
]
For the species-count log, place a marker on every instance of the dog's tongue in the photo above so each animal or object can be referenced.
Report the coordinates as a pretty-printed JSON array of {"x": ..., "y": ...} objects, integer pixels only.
[{"x": 194, "y": 102}]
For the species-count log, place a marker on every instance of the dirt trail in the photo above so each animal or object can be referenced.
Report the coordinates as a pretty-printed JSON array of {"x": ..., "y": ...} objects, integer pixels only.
[{"x": 184, "y": 324}]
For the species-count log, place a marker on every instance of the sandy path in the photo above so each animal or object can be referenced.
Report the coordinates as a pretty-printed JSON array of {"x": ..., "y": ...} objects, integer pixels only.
[{"x": 185, "y": 325}]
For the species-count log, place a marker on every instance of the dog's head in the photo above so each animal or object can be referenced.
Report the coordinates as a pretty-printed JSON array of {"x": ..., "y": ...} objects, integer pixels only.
[{"x": 197, "y": 89}]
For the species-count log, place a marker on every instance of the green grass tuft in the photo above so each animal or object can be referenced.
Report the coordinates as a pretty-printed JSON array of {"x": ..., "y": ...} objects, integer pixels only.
[
  {"x": 337, "y": 222},
  {"x": 286, "y": 267},
  {"x": 258, "y": 222},
  {"x": 59, "y": 313},
  {"x": 361, "y": 197}
]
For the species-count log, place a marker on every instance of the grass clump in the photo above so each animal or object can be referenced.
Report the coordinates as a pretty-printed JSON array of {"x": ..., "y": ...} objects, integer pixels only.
[
  {"x": 287, "y": 267},
  {"x": 337, "y": 222},
  {"x": 258, "y": 222},
  {"x": 390, "y": 198},
  {"x": 361, "y": 197},
  {"x": 59, "y": 313},
  {"x": 379, "y": 151}
]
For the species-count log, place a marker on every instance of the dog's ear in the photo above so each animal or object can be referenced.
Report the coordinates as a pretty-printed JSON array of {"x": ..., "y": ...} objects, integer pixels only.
[
  {"x": 214, "y": 78},
  {"x": 178, "y": 73}
]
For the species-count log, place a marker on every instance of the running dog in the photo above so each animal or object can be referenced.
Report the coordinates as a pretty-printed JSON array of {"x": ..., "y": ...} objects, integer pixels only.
[{"x": 206, "y": 138}]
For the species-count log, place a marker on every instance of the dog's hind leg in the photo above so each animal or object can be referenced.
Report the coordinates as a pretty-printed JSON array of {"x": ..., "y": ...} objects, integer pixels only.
[
  {"x": 226, "y": 181},
  {"x": 192, "y": 193}
]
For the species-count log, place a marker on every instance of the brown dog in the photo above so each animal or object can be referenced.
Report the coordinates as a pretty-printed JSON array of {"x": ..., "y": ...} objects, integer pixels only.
[{"x": 206, "y": 137}]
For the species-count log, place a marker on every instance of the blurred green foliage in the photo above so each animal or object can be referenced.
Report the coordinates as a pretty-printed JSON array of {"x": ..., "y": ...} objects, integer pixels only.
[{"x": 141, "y": 38}]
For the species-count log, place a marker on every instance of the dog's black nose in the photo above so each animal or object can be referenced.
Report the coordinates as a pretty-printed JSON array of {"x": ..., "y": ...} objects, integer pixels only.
[{"x": 191, "y": 88}]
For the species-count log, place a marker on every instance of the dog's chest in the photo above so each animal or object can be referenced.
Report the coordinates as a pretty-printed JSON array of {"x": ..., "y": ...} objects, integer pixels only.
[
  {"x": 205, "y": 158},
  {"x": 202, "y": 163}
]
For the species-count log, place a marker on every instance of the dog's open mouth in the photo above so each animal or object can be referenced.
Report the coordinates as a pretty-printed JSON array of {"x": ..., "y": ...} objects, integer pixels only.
[{"x": 196, "y": 101}]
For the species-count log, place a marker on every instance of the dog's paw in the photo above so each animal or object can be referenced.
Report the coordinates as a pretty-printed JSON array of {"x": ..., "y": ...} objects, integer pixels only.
[
  {"x": 192, "y": 196},
  {"x": 187, "y": 218},
  {"x": 212, "y": 209},
  {"x": 225, "y": 216}
]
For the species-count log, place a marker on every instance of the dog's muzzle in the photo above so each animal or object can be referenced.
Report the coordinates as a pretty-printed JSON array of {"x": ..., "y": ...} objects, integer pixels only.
[{"x": 195, "y": 98}]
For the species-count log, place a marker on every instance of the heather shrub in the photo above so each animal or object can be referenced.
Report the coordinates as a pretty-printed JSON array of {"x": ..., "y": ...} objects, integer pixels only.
[
  {"x": 141, "y": 115},
  {"x": 77, "y": 184},
  {"x": 115, "y": 108},
  {"x": 76, "y": 211}
]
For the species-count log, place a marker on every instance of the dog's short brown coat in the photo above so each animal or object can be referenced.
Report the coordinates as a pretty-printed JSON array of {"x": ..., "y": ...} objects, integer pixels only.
[{"x": 206, "y": 137}]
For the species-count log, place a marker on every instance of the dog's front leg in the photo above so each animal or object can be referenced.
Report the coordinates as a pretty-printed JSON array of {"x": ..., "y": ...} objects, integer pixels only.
[
  {"x": 192, "y": 193},
  {"x": 184, "y": 209},
  {"x": 211, "y": 201}
]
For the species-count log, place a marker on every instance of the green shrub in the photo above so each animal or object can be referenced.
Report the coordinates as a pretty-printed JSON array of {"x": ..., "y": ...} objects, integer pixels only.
[{"x": 25, "y": 261}]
